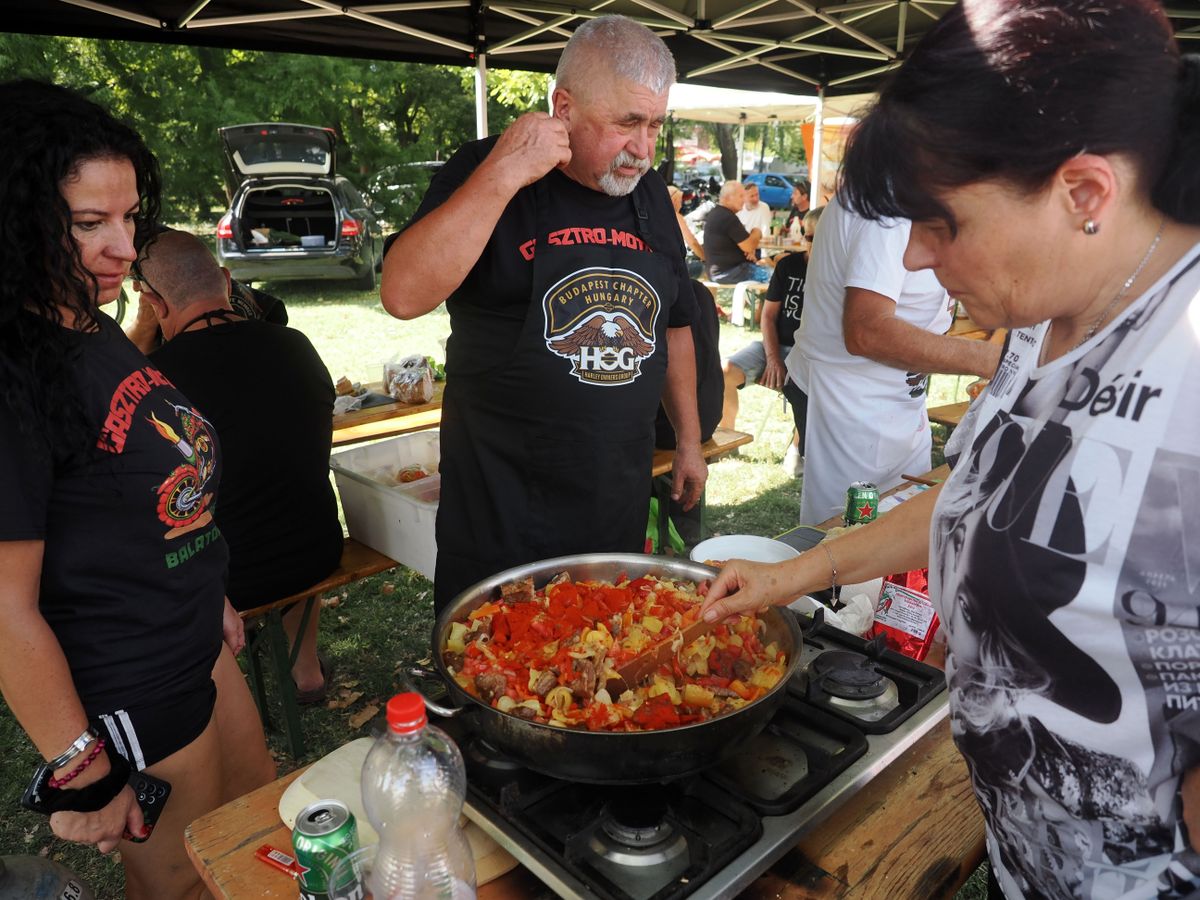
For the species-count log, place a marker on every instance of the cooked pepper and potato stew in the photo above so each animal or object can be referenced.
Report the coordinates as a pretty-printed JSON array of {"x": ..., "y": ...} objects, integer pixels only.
[{"x": 551, "y": 655}]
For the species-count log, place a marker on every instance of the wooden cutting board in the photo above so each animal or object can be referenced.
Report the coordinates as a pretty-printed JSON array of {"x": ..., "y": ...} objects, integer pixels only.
[{"x": 338, "y": 777}]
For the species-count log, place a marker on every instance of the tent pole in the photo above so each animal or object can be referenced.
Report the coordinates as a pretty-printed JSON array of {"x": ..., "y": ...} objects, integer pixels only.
[
  {"x": 481, "y": 89},
  {"x": 814, "y": 164}
]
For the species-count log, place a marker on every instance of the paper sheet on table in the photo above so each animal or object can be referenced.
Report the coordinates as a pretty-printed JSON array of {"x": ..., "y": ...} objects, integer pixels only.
[{"x": 900, "y": 496}]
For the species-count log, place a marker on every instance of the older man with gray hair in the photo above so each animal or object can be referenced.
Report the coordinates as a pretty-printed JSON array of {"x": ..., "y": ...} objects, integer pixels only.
[{"x": 562, "y": 271}]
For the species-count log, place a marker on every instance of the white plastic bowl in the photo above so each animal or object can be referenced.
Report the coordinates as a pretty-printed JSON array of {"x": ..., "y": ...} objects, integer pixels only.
[{"x": 742, "y": 546}]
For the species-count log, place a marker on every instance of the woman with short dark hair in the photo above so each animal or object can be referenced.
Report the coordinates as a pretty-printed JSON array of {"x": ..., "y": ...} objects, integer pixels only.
[
  {"x": 1046, "y": 151},
  {"x": 112, "y": 609}
]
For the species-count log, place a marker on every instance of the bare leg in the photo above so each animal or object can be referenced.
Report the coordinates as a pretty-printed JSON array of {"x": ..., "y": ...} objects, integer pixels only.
[
  {"x": 246, "y": 763},
  {"x": 307, "y": 671},
  {"x": 734, "y": 379},
  {"x": 160, "y": 869}
]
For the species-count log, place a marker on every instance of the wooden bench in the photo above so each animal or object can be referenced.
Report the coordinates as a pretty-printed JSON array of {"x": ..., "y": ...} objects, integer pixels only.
[
  {"x": 949, "y": 415},
  {"x": 723, "y": 442},
  {"x": 269, "y": 638}
]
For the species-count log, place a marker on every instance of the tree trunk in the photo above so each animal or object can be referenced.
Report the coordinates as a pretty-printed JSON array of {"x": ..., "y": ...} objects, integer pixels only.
[{"x": 728, "y": 147}]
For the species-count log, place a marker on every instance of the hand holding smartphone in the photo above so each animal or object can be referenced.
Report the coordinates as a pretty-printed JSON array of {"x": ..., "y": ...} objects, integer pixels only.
[{"x": 151, "y": 794}]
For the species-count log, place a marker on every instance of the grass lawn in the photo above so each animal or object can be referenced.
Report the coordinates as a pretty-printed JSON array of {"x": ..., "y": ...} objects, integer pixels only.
[{"x": 374, "y": 627}]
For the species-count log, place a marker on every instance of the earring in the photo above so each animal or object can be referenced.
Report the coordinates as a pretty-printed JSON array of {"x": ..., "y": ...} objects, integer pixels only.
[{"x": 1091, "y": 226}]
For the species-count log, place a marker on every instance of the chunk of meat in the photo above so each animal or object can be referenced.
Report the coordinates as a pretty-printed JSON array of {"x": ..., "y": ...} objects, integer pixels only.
[
  {"x": 583, "y": 685},
  {"x": 525, "y": 712},
  {"x": 520, "y": 591},
  {"x": 614, "y": 625},
  {"x": 454, "y": 661},
  {"x": 545, "y": 683},
  {"x": 490, "y": 685},
  {"x": 742, "y": 669},
  {"x": 719, "y": 691}
]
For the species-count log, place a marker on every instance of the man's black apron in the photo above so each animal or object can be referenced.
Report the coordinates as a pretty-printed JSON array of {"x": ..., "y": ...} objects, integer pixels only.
[{"x": 548, "y": 451}]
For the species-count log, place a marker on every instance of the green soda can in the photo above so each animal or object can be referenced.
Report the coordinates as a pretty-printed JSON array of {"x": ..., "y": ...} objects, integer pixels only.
[
  {"x": 862, "y": 503},
  {"x": 325, "y": 832}
]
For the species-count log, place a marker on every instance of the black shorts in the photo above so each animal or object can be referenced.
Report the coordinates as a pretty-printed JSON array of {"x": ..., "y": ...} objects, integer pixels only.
[{"x": 148, "y": 734}]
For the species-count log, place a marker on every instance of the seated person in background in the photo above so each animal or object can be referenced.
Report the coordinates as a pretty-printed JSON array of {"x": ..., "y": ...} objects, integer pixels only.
[
  {"x": 762, "y": 362},
  {"x": 799, "y": 207},
  {"x": 270, "y": 398},
  {"x": 728, "y": 248},
  {"x": 247, "y": 302},
  {"x": 754, "y": 213},
  {"x": 695, "y": 266}
]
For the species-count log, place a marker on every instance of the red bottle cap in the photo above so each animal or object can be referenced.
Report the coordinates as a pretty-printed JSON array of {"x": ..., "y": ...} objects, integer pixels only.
[{"x": 406, "y": 713}]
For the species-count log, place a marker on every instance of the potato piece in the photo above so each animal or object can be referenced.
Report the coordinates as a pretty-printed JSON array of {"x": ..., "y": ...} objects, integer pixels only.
[
  {"x": 663, "y": 686},
  {"x": 505, "y": 703},
  {"x": 698, "y": 695},
  {"x": 652, "y": 624},
  {"x": 454, "y": 641},
  {"x": 766, "y": 676}
]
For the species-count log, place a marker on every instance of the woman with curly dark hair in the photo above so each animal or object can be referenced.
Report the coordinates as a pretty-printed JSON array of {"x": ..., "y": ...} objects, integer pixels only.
[
  {"x": 1046, "y": 152},
  {"x": 117, "y": 640}
]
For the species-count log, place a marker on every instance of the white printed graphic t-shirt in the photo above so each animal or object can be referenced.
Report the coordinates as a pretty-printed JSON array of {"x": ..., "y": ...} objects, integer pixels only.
[{"x": 1066, "y": 566}]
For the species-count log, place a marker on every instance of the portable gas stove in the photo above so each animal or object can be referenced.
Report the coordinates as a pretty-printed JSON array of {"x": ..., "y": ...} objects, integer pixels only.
[{"x": 853, "y": 708}]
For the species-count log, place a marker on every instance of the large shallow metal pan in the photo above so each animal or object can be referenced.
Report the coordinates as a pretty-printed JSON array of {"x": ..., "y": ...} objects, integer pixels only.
[{"x": 604, "y": 757}]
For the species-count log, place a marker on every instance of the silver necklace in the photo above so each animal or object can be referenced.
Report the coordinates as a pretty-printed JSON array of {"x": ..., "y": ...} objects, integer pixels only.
[{"x": 1100, "y": 319}]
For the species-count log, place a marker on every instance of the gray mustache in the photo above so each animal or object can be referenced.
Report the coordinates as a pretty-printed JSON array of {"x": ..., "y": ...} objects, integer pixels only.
[{"x": 625, "y": 158}]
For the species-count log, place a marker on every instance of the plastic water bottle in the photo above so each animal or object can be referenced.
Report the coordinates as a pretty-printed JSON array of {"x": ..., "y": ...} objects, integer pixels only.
[{"x": 413, "y": 785}]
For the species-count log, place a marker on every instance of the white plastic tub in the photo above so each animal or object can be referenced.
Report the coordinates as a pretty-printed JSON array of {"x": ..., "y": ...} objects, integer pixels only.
[{"x": 395, "y": 519}]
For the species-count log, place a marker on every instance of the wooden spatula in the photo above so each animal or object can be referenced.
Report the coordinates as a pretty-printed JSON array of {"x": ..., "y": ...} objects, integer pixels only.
[{"x": 643, "y": 665}]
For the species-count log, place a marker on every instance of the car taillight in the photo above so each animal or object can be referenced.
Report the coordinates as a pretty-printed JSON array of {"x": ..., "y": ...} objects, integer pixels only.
[
  {"x": 350, "y": 227},
  {"x": 224, "y": 228}
]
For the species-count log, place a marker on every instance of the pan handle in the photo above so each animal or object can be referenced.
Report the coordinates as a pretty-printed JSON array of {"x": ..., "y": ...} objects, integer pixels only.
[{"x": 446, "y": 712}]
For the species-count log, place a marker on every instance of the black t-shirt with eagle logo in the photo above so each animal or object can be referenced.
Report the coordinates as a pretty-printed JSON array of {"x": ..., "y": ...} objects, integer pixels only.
[
  {"x": 133, "y": 572},
  {"x": 497, "y": 289}
]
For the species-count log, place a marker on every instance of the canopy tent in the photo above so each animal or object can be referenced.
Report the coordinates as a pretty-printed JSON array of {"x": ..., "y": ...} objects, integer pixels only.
[
  {"x": 829, "y": 46},
  {"x": 832, "y": 47},
  {"x": 713, "y": 104},
  {"x": 710, "y": 104}
]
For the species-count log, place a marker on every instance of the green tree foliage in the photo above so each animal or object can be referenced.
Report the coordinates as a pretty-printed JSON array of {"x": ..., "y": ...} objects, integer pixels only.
[{"x": 386, "y": 114}]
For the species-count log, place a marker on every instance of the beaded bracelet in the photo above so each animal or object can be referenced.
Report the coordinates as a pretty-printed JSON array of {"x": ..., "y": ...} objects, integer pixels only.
[{"x": 96, "y": 751}]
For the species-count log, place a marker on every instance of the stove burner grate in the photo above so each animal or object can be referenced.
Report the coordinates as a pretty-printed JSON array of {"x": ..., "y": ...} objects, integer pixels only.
[{"x": 848, "y": 675}]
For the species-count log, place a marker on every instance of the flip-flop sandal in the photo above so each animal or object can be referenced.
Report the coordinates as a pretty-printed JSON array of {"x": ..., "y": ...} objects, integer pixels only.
[{"x": 317, "y": 694}]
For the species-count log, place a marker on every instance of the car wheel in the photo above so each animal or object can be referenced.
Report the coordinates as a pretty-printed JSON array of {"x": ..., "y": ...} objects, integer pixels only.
[{"x": 366, "y": 281}]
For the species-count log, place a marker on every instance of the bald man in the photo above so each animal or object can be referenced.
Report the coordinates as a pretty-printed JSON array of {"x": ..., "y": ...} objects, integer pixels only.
[{"x": 270, "y": 398}]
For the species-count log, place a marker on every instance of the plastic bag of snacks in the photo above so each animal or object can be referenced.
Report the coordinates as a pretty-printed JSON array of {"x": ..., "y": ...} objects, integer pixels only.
[
  {"x": 409, "y": 380},
  {"x": 904, "y": 614}
]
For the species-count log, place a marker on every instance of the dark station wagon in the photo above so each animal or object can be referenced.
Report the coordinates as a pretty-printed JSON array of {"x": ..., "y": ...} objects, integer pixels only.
[{"x": 291, "y": 215}]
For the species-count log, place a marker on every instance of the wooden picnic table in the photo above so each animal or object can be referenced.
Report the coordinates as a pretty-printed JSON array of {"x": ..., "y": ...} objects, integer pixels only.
[
  {"x": 388, "y": 419},
  {"x": 914, "y": 831}
]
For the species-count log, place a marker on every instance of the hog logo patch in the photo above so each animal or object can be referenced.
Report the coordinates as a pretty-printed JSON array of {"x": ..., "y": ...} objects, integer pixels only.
[{"x": 602, "y": 320}]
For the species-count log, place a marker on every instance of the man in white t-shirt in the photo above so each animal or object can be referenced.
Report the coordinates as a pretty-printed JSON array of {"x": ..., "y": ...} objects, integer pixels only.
[
  {"x": 869, "y": 335},
  {"x": 754, "y": 213}
]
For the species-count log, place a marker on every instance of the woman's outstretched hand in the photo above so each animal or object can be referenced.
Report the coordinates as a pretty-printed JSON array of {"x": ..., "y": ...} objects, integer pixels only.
[{"x": 745, "y": 587}]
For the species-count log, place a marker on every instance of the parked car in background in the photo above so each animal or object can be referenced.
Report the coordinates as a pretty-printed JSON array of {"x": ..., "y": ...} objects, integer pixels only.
[
  {"x": 291, "y": 216},
  {"x": 774, "y": 189},
  {"x": 398, "y": 189}
]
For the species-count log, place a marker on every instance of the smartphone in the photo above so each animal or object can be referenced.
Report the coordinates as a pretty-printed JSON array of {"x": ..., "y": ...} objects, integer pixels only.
[{"x": 151, "y": 794}]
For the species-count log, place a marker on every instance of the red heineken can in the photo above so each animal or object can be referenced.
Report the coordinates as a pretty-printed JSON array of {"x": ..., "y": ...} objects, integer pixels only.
[
  {"x": 325, "y": 832},
  {"x": 862, "y": 503}
]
